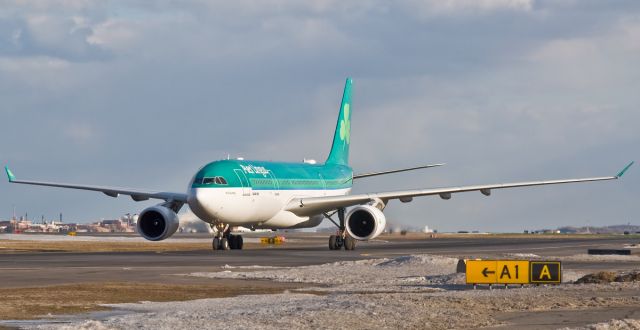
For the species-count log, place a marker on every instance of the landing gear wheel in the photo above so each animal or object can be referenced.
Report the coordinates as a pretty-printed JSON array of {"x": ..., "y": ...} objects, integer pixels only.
[
  {"x": 232, "y": 242},
  {"x": 349, "y": 243},
  {"x": 239, "y": 242},
  {"x": 224, "y": 244},
  {"x": 332, "y": 242},
  {"x": 235, "y": 242},
  {"x": 215, "y": 245}
]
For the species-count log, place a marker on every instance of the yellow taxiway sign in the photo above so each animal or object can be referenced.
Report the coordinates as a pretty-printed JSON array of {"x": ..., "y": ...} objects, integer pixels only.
[{"x": 497, "y": 272}]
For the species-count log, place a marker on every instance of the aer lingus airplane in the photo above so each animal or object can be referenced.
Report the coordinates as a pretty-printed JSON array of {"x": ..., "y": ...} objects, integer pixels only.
[{"x": 277, "y": 195}]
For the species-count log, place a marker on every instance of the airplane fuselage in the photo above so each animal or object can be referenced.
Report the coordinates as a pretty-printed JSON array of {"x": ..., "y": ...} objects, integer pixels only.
[{"x": 254, "y": 193}]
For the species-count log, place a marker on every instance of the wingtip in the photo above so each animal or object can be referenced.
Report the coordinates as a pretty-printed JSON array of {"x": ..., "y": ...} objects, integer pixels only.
[
  {"x": 10, "y": 175},
  {"x": 621, "y": 173}
]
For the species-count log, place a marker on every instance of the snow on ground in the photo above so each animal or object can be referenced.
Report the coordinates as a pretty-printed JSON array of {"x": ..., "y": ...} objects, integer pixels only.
[
  {"x": 605, "y": 258},
  {"x": 418, "y": 291},
  {"x": 402, "y": 273},
  {"x": 355, "y": 310},
  {"x": 610, "y": 325},
  {"x": 522, "y": 255},
  {"x": 407, "y": 273}
]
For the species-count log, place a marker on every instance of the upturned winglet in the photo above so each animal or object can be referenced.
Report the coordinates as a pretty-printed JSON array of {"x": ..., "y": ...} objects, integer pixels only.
[
  {"x": 9, "y": 174},
  {"x": 621, "y": 173}
]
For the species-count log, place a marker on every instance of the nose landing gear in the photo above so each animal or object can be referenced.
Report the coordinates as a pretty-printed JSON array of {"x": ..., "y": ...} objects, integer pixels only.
[
  {"x": 341, "y": 238},
  {"x": 224, "y": 240}
]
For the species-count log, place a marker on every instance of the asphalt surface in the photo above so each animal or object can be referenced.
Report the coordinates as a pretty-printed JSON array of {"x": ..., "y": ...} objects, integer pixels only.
[{"x": 51, "y": 268}]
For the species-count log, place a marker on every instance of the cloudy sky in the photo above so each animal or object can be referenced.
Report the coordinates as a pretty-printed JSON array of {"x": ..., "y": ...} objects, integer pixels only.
[{"x": 141, "y": 94}]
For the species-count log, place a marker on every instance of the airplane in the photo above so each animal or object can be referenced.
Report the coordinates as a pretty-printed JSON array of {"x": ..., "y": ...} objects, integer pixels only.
[{"x": 284, "y": 195}]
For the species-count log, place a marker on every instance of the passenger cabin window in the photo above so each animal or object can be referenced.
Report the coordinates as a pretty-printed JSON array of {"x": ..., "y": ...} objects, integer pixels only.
[{"x": 215, "y": 180}]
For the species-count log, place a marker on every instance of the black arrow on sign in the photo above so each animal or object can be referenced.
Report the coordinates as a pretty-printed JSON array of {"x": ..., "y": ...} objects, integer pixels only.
[{"x": 486, "y": 271}]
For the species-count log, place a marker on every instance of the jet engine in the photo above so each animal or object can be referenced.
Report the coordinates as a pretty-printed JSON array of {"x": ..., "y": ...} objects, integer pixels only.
[
  {"x": 365, "y": 222},
  {"x": 157, "y": 223}
]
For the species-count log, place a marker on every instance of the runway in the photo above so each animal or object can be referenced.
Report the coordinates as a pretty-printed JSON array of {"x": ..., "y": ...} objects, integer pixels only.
[{"x": 28, "y": 269}]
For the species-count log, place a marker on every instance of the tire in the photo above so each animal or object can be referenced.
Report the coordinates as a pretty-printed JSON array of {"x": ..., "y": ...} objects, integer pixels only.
[
  {"x": 349, "y": 243},
  {"x": 232, "y": 242},
  {"x": 224, "y": 244},
  {"x": 332, "y": 242},
  {"x": 215, "y": 245},
  {"x": 239, "y": 242}
]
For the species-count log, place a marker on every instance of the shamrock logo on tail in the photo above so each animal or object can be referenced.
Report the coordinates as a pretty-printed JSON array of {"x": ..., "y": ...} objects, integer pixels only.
[{"x": 345, "y": 125}]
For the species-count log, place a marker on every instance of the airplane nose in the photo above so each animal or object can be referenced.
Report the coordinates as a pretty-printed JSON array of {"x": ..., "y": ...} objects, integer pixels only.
[{"x": 196, "y": 201}]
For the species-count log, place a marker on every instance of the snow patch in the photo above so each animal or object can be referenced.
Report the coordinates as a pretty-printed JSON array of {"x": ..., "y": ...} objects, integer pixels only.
[{"x": 374, "y": 274}]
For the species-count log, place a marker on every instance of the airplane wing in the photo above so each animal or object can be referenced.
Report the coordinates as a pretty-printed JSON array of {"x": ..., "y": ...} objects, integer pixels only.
[
  {"x": 136, "y": 194},
  {"x": 317, "y": 205},
  {"x": 365, "y": 175}
]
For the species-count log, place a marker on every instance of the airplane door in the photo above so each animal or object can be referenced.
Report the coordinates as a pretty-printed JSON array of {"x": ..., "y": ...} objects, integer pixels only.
[{"x": 246, "y": 189}]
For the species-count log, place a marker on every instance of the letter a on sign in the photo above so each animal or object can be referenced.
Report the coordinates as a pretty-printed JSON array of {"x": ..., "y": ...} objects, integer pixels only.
[
  {"x": 505, "y": 272},
  {"x": 544, "y": 273}
]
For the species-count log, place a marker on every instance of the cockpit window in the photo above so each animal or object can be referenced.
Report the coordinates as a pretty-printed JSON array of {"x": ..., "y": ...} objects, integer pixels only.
[
  {"x": 197, "y": 181},
  {"x": 215, "y": 180}
]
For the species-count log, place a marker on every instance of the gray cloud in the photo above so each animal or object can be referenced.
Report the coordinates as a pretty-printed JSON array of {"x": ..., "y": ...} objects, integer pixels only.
[{"x": 143, "y": 93}]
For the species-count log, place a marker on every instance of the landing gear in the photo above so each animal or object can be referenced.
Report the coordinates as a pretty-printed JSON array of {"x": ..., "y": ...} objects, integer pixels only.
[
  {"x": 236, "y": 242},
  {"x": 341, "y": 239},
  {"x": 224, "y": 240},
  {"x": 349, "y": 243}
]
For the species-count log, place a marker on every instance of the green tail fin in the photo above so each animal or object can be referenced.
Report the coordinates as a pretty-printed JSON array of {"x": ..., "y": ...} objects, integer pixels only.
[
  {"x": 340, "y": 148},
  {"x": 9, "y": 174}
]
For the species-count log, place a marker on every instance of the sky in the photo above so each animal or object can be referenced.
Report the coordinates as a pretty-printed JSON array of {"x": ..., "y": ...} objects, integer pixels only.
[{"x": 143, "y": 93}]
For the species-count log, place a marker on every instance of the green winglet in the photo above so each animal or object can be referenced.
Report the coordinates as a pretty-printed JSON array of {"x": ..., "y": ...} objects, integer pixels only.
[
  {"x": 9, "y": 174},
  {"x": 624, "y": 170}
]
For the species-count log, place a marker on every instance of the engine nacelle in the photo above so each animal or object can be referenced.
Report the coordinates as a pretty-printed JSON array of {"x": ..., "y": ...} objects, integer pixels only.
[
  {"x": 365, "y": 222},
  {"x": 157, "y": 223}
]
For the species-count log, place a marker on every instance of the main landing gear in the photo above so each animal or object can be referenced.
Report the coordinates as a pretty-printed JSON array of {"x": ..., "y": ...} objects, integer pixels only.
[
  {"x": 341, "y": 238},
  {"x": 224, "y": 240}
]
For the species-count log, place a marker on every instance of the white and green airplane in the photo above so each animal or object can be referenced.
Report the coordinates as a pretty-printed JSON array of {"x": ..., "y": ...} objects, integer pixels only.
[{"x": 278, "y": 195}]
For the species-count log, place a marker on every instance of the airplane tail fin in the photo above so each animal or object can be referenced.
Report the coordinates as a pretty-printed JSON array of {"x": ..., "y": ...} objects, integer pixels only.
[{"x": 341, "y": 139}]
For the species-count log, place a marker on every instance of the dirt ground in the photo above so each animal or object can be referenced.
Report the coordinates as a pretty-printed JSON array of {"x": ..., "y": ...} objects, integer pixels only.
[{"x": 30, "y": 303}]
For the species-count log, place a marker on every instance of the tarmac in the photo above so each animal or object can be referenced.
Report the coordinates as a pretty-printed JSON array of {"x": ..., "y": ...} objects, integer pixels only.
[{"x": 27, "y": 269}]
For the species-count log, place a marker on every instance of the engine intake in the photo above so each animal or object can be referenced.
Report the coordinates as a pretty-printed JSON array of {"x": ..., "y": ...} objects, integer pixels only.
[
  {"x": 157, "y": 223},
  {"x": 365, "y": 222}
]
